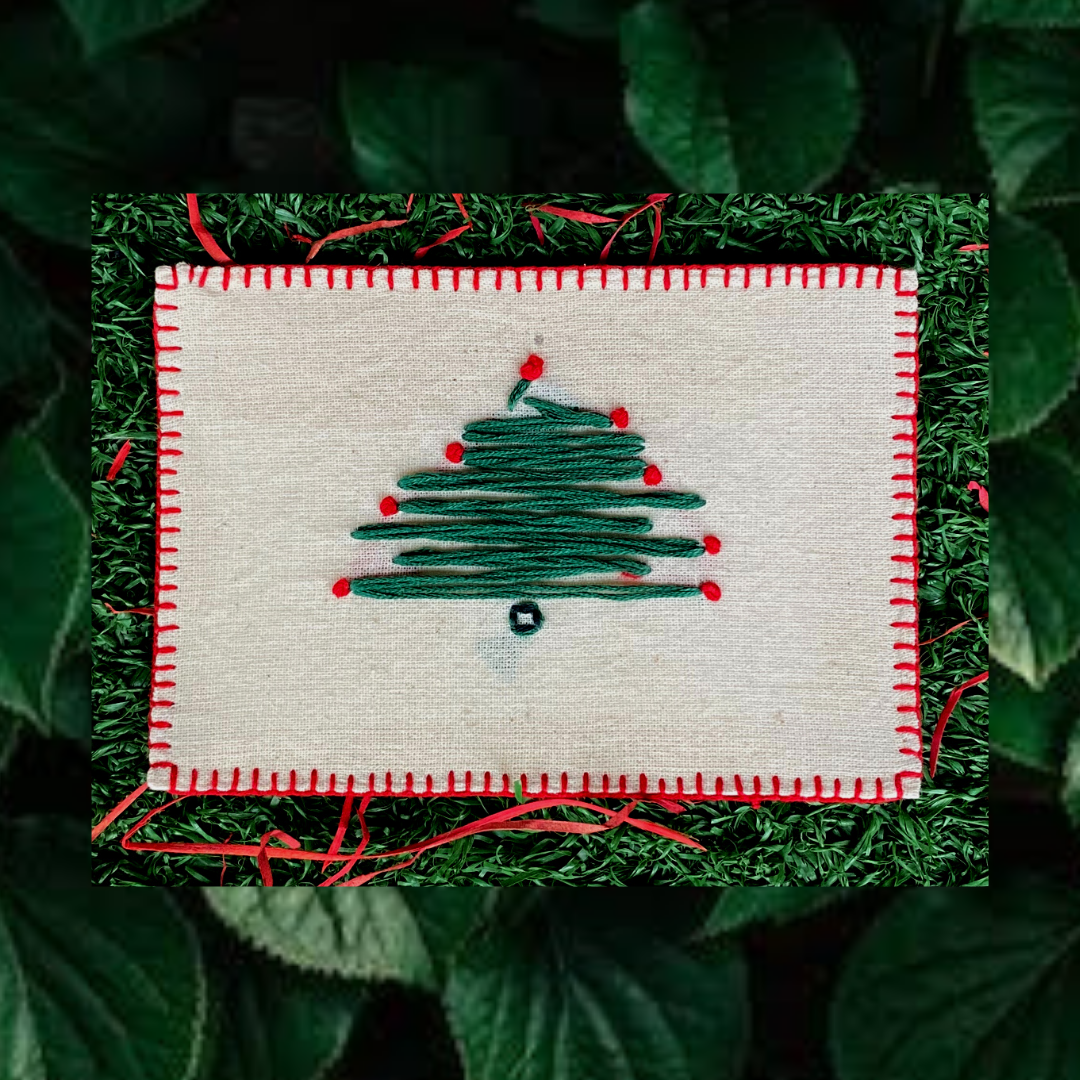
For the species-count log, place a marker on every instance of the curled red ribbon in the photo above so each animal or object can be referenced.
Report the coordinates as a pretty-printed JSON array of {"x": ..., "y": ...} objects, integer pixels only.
[
  {"x": 509, "y": 819},
  {"x": 984, "y": 495},
  {"x": 200, "y": 230},
  {"x": 939, "y": 727},
  {"x": 654, "y": 203},
  {"x": 453, "y": 234},
  {"x": 118, "y": 461}
]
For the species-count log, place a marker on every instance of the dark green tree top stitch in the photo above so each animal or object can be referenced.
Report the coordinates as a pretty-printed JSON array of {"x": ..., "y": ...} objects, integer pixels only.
[{"x": 545, "y": 526}]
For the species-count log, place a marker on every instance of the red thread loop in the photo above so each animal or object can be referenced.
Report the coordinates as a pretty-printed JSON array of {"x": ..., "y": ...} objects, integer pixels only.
[
  {"x": 130, "y": 611},
  {"x": 939, "y": 728},
  {"x": 200, "y": 230},
  {"x": 118, "y": 461},
  {"x": 984, "y": 495}
]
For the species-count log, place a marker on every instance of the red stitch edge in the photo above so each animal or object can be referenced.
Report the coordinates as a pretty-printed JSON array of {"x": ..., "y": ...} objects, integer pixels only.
[{"x": 756, "y": 796}]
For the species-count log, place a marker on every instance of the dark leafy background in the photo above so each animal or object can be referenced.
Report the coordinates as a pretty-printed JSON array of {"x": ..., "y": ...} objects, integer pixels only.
[
  {"x": 542, "y": 984},
  {"x": 930, "y": 96}
]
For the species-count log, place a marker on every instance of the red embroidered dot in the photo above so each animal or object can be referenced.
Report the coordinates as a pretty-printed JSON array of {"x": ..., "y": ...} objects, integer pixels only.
[
  {"x": 533, "y": 368},
  {"x": 652, "y": 476},
  {"x": 710, "y": 590},
  {"x": 454, "y": 452},
  {"x": 341, "y": 587},
  {"x": 712, "y": 544},
  {"x": 388, "y": 507},
  {"x": 620, "y": 418}
]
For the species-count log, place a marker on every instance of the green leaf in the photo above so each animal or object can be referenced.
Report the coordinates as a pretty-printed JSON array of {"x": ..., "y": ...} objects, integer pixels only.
[
  {"x": 43, "y": 545},
  {"x": 1020, "y": 13},
  {"x": 386, "y": 933},
  {"x": 71, "y": 128},
  {"x": 1070, "y": 792},
  {"x": 1034, "y": 561},
  {"x": 69, "y": 707},
  {"x": 763, "y": 99},
  {"x": 67, "y": 864},
  {"x": 104, "y": 23},
  {"x": 1035, "y": 324},
  {"x": 97, "y": 985},
  {"x": 1026, "y": 94},
  {"x": 1028, "y": 725},
  {"x": 280, "y": 1024},
  {"x": 428, "y": 128},
  {"x": 24, "y": 320},
  {"x": 740, "y": 906},
  {"x": 579, "y": 18},
  {"x": 951, "y": 984},
  {"x": 9, "y": 737},
  {"x": 548, "y": 1000}
]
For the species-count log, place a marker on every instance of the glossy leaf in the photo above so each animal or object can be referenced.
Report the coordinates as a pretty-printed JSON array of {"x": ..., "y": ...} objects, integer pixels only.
[
  {"x": 1070, "y": 791},
  {"x": 69, "y": 707},
  {"x": 765, "y": 99},
  {"x": 739, "y": 906},
  {"x": 579, "y": 18},
  {"x": 952, "y": 983},
  {"x": 1026, "y": 95},
  {"x": 551, "y": 1001},
  {"x": 43, "y": 545},
  {"x": 278, "y": 1024},
  {"x": 24, "y": 319},
  {"x": 1029, "y": 726},
  {"x": 71, "y": 128},
  {"x": 9, "y": 737},
  {"x": 50, "y": 850},
  {"x": 1034, "y": 569},
  {"x": 97, "y": 985},
  {"x": 428, "y": 128},
  {"x": 382, "y": 933},
  {"x": 1020, "y": 13},
  {"x": 1035, "y": 324},
  {"x": 103, "y": 24}
]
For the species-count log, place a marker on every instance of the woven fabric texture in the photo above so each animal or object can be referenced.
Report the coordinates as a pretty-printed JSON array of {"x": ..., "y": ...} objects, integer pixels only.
[{"x": 293, "y": 399}]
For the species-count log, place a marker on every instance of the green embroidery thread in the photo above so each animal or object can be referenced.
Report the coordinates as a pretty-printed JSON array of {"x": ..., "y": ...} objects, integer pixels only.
[{"x": 540, "y": 528}]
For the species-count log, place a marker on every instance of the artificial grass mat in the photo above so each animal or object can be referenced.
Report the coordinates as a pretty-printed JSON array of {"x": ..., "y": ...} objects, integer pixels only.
[{"x": 940, "y": 839}]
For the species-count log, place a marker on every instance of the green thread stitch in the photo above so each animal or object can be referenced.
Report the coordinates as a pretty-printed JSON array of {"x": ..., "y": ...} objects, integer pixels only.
[
  {"x": 477, "y": 587},
  {"x": 517, "y": 393},
  {"x": 534, "y": 531}
]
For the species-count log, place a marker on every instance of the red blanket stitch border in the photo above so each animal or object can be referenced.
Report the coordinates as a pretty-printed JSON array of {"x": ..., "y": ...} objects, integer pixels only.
[{"x": 456, "y": 277}]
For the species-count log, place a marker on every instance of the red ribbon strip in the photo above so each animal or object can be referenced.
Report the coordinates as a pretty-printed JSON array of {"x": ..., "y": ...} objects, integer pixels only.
[
  {"x": 501, "y": 821},
  {"x": 973, "y": 247},
  {"x": 939, "y": 728},
  {"x": 453, "y": 233},
  {"x": 339, "y": 234},
  {"x": 200, "y": 230},
  {"x": 130, "y": 610},
  {"x": 115, "y": 812},
  {"x": 654, "y": 203},
  {"x": 118, "y": 461},
  {"x": 984, "y": 495}
]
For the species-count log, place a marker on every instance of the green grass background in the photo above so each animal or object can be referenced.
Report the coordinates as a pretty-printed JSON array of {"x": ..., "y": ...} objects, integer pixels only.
[{"x": 940, "y": 839}]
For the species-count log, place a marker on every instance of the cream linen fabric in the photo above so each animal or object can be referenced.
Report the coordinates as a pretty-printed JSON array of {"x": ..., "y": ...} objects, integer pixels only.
[{"x": 303, "y": 405}]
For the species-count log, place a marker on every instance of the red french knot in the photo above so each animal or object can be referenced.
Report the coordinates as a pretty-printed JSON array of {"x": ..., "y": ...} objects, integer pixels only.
[
  {"x": 388, "y": 507},
  {"x": 620, "y": 418},
  {"x": 533, "y": 368},
  {"x": 652, "y": 476},
  {"x": 341, "y": 587},
  {"x": 712, "y": 544},
  {"x": 454, "y": 452},
  {"x": 710, "y": 590}
]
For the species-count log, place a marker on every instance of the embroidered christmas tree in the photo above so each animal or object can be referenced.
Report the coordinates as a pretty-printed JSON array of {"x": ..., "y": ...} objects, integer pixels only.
[{"x": 530, "y": 517}]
